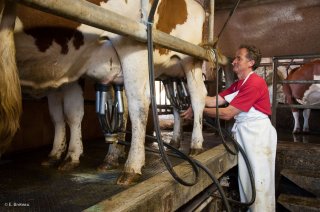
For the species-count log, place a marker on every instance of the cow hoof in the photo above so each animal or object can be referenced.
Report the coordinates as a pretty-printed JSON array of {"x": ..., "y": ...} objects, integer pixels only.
[
  {"x": 105, "y": 166},
  {"x": 50, "y": 162},
  {"x": 306, "y": 131},
  {"x": 128, "y": 178},
  {"x": 194, "y": 152},
  {"x": 296, "y": 131},
  {"x": 68, "y": 165}
]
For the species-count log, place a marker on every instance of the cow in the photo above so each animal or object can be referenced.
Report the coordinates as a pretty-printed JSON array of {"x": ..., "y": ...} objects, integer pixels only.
[
  {"x": 50, "y": 60},
  {"x": 305, "y": 94},
  {"x": 51, "y": 56}
]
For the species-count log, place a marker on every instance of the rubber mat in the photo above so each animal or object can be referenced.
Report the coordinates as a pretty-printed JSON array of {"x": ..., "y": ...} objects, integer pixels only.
[{"x": 27, "y": 186}]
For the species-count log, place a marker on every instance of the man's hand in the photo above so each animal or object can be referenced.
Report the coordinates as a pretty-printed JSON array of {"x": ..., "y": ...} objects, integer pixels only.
[{"x": 188, "y": 114}]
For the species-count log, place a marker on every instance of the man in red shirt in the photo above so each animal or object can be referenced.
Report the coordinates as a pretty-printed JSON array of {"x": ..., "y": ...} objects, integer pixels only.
[{"x": 249, "y": 105}]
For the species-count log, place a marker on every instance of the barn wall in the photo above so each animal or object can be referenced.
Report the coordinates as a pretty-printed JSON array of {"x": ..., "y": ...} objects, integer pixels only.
[
  {"x": 277, "y": 28},
  {"x": 36, "y": 128}
]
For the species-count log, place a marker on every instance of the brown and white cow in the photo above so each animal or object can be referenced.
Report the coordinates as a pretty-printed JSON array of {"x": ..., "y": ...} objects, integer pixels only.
[
  {"x": 52, "y": 53},
  {"x": 48, "y": 60},
  {"x": 306, "y": 94}
]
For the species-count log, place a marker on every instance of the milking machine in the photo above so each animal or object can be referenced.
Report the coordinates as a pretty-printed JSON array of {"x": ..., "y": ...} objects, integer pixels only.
[
  {"x": 110, "y": 113},
  {"x": 177, "y": 93}
]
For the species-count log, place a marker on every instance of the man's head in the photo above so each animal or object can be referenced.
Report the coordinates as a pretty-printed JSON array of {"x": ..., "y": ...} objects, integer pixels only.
[
  {"x": 247, "y": 58},
  {"x": 253, "y": 54}
]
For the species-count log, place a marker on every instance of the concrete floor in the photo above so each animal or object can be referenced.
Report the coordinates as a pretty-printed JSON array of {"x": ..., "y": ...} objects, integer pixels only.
[{"x": 24, "y": 182}]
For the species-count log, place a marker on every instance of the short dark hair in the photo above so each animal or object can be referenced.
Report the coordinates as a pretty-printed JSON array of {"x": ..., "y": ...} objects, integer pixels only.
[{"x": 253, "y": 54}]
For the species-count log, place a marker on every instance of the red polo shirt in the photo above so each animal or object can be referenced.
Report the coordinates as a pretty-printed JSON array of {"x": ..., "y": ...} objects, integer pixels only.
[{"x": 254, "y": 93}]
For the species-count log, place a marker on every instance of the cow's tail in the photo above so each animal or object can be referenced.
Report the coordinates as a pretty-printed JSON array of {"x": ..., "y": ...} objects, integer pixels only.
[{"x": 10, "y": 91}]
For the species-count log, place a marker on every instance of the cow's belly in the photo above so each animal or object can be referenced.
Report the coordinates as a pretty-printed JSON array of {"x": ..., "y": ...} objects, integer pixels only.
[
  {"x": 168, "y": 66},
  {"x": 51, "y": 68}
]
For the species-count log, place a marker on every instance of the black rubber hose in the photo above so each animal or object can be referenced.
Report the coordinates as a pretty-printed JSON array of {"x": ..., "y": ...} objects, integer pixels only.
[
  {"x": 164, "y": 157},
  {"x": 236, "y": 145},
  {"x": 155, "y": 113},
  {"x": 181, "y": 155},
  {"x": 217, "y": 113}
]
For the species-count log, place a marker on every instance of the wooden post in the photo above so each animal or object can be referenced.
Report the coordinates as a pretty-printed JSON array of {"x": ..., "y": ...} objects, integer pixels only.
[{"x": 96, "y": 16}]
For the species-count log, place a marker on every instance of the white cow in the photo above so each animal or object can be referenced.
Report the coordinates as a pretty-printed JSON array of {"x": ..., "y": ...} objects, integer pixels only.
[{"x": 52, "y": 51}]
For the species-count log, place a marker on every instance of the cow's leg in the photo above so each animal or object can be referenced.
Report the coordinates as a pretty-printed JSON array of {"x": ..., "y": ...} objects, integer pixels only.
[
  {"x": 198, "y": 94},
  {"x": 306, "y": 115},
  {"x": 296, "y": 128},
  {"x": 115, "y": 151},
  {"x": 137, "y": 89},
  {"x": 177, "y": 136},
  {"x": 55, "y": 103},
  {"x": 73, "y": 111},
  {"x": 111, "y": 160}
]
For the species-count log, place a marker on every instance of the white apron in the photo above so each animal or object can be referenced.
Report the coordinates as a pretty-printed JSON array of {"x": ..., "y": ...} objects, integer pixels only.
[{"x": 256, "y": 135}]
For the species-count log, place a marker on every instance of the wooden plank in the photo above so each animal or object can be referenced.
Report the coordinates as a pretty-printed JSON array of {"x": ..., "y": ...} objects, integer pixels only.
[
  {"x": 162, "y": 192},
  {"x": 298, "y": 156},
  {"x": 308, "y": 180},
  {"x": 96, "y": 16},
  {"x": 297, "y": 203}
]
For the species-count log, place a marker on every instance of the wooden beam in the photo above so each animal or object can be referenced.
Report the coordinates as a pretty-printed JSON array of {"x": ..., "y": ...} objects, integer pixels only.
[
  {"x": 162, "y": 192},
  {"x": 298, "y": 203},
  {"x": 308, "y": 180},
  {"x": 96, "y": 16}
]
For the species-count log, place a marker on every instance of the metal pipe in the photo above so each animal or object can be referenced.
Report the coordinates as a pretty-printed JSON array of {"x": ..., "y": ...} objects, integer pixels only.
[
  {"x": 298, "y": 106},
  {"x": 184, "y": 89},
  {"x": 211, "y": 23},
  {"x": 119, "y": 91},
  {"x": 299, "y": 82},
  {"x": 144, "y": 11},
  {"x": 97, "y": 101},
  {"x": 274, "y": 93},
  {"x": 175, "y": 89},
  {"x": 96, "y": 16},
  {"x": 102, "y": 107},
  {"x": 295, "y": 57}
]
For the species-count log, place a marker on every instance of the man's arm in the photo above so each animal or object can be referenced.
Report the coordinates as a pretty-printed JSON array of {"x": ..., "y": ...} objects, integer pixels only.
[
  {"x": 224, "y": 113},
  {"x": 211, "y": 101}
]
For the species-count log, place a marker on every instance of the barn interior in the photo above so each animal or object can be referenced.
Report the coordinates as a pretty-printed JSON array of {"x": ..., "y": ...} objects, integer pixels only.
[{"x": 280, "y": 28}]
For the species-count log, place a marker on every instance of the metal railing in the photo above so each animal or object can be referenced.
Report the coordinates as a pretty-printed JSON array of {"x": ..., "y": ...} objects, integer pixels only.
[{"x": 163, "y": 103}]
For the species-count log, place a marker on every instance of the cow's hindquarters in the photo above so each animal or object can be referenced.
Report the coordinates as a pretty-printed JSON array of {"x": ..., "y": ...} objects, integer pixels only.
[{"x": 10, "y": 96}]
